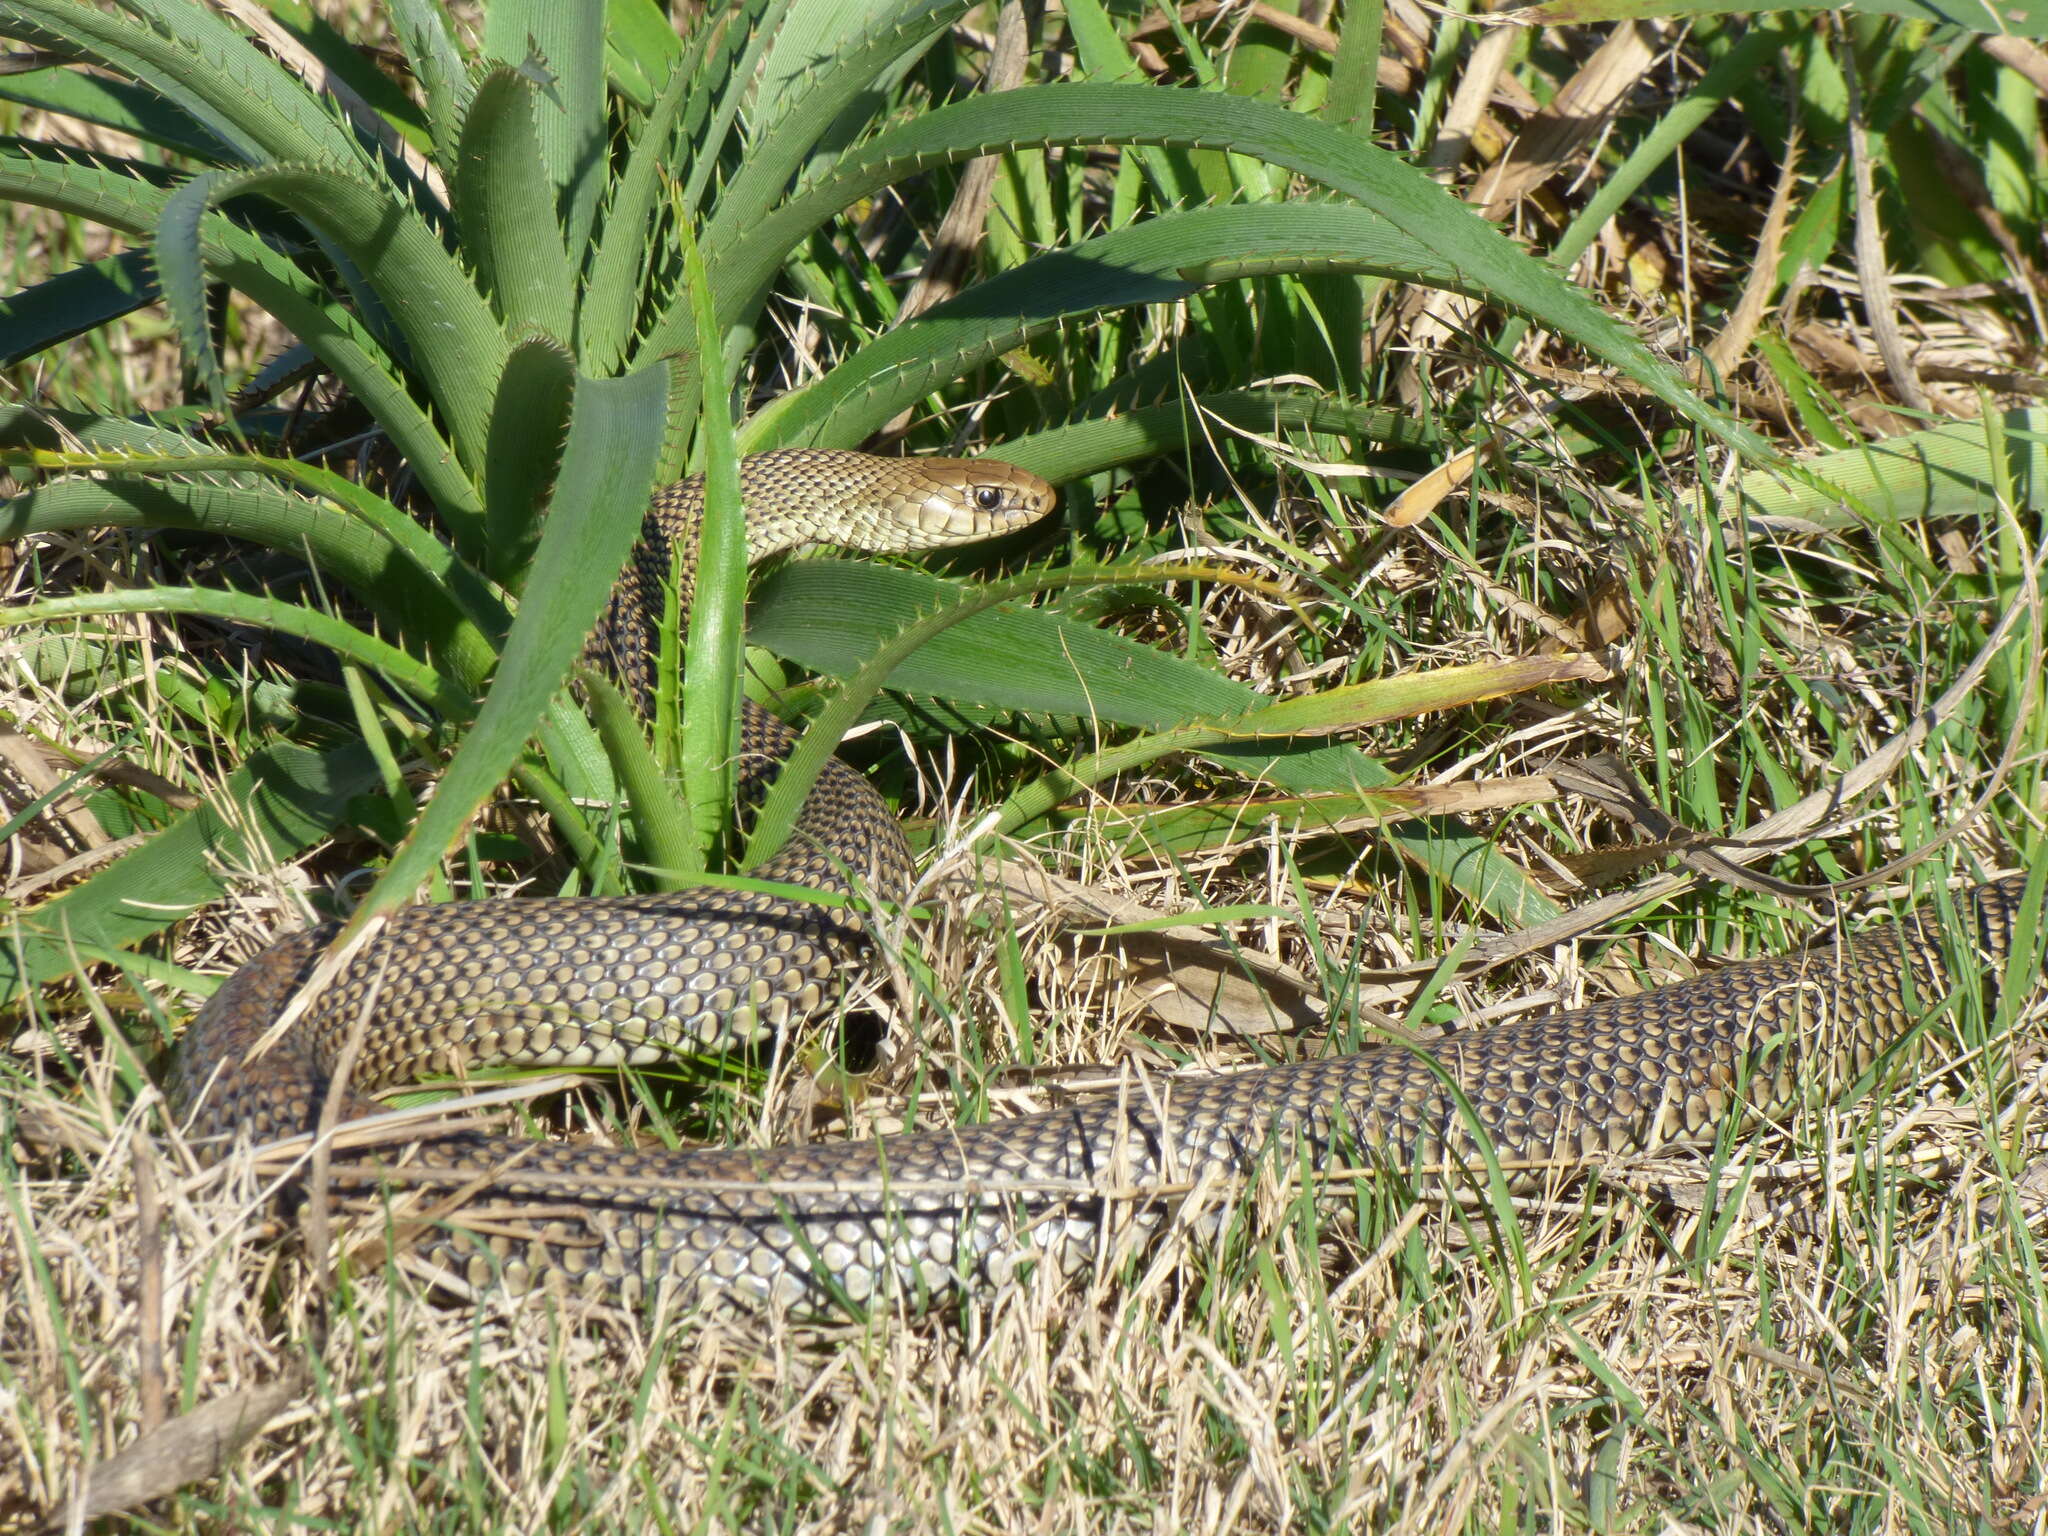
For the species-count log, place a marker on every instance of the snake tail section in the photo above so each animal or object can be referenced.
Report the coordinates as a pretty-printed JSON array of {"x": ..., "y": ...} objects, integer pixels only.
[{"x": 918, "y": 1218}]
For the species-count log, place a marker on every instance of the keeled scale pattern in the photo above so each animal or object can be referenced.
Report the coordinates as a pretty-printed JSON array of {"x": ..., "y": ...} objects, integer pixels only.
[
  {"x": 914, "y": 1218},
  {"x": 465, "y": 986}
]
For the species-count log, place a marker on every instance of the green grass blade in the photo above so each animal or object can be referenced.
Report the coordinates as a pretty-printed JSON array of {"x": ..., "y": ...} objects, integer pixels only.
[
  {"x": 717, "y": 620},
  {"x": 1354, "y": 75},
  {"x": 1677, "y": 124},
  {"x": 1107, "y": 58},
  {"x": 661, "y": 811}
]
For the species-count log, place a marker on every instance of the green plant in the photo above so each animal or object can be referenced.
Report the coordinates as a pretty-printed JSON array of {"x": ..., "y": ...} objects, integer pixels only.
[{"x": 538, "y": 374}]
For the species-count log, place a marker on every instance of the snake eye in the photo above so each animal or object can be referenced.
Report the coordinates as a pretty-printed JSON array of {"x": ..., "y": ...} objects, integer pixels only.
[{"x": 988, "y": 498}]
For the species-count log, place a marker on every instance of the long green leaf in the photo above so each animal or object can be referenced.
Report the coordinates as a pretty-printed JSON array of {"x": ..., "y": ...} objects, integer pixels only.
[
  {"x": 194, "y": 59},
  {"x": 502, "y": 193},
  {"x": 436, "y": 62},
  {"x": 640, "y": 48},
  {"x": 116, "y": 104},
  {"x": 809, "y": 84},
  {"x": 387, "y": 578},
  {"x": 1063, "y": 454},
  {"x": 527, "y": 432},
  {"x": 350, "y": 67},
  {"x": 1159, "y": 261},
  {"x": 1164, "y": 832},
  {"x": 832, "y": 615},
  {"x": 242, "y": 259},
  {"x": 52, "y": 429},
  {"x": 181, "y": 271},
  {"x": 809, "y": 37},
  {"x": 1960, "y": 469},
  {"x": 1485, "y": 260},
  {"x": 394, "y": 566},
  {"x": 724, "y": 57},
  {"x": 415, "y": 585},
  {"x": 608, "y": 466},
  {"x": 284, "y": 799},
  {"x": 613, "y": 297},
  {"x": 661, "y": 810},
  {"x": 73, "y": 303},
  {"x": 352, "y": 644},
  {"x": 1352, "y": 707},
  {"x": 781, "y": 144},
  {"x": 562, "y": 48},
  {"x": 125, "y": 447},
  {"x": 785, "y": 797},
  {"x": 458, "y": 348}
]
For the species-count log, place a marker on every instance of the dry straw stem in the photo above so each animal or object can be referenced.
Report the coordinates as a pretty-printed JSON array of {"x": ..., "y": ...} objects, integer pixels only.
[{"x": 1813, "y": 814}]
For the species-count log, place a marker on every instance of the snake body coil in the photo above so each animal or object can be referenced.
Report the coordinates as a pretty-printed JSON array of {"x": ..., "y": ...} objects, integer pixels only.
[{"x": 464, "y": 986}]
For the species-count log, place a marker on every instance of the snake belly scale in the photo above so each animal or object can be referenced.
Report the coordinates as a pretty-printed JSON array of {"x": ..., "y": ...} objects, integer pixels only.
[{"x": 918, "y": 1217}]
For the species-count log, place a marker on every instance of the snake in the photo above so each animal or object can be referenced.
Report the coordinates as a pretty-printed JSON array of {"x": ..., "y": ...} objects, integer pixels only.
[{"x": 919, "y": 1218}]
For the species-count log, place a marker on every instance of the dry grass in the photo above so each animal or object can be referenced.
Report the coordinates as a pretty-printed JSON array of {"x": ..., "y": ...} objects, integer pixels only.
[
  {"x": 1871, "y": 1364},
  {"x": 1638, "y": 1351}
]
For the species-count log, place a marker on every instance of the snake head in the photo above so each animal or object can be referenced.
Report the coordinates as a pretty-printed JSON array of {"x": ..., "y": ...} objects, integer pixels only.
[
  {"x": 809, "y": 496},
  {"x": 959, "y": 501}
]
